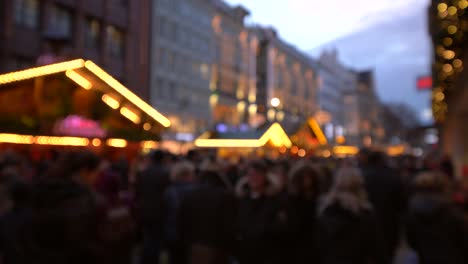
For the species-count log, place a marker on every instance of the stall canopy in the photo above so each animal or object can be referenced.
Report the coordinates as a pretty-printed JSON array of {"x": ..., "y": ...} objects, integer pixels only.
[
  {"x": 273, "y": 135},
  {"x": 73, "y": 99},
  {"x": 308, "y": 135}
]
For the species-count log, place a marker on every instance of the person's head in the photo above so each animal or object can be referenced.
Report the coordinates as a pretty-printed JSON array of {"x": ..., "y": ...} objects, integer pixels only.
[
  {"x": 304, "y": 179},
  {"x": 348, "y": 190},
  {"x": 257, "y": 176},
  {"x": 430, "y": 182},
  {"x": 280, "y": 171},
  {"x": 183, "y": 171},
  {"x": 63, "y": 213}
]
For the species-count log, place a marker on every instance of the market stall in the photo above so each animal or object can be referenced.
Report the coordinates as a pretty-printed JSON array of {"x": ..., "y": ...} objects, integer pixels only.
[
  {"x": 75, "y": 104},
  {"x": 267, "y": 141}
]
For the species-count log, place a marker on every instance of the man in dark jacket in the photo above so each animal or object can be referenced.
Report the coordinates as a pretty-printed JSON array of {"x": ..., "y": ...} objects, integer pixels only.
[
  {"x": 207, "y": 221},
  {"x": 256, "y": 211},
  {"x": 149, "y": 193},
  {"x": 386, "y": 194}
]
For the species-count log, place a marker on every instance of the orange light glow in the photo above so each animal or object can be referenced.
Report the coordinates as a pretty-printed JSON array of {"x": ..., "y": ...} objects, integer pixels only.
[
  {"x": 116, "y": 143},
  {"x": 146, "y": 126},
  {"x": 96, "y": 142},
  {"x": 301, "y": 153}
]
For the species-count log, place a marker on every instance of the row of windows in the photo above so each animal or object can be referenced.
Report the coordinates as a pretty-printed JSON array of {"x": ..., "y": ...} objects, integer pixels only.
[
  {"x": 183, "y": 36},
  {"x": 177, "y": 93},
  {"x": 176, "y": 62},
  {"x": 60, "y": 22}
]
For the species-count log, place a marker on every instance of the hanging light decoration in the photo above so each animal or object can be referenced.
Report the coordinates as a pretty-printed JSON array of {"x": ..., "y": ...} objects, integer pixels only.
[{"x": 449, "y": 31}]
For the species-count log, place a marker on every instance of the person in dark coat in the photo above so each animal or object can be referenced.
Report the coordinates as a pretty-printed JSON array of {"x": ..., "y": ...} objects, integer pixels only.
[
  {"x": 435, "y": 228},
  {"x": 61, "y": 227},
  {"x": 207, "y": 220},
  {"x": 254, "y": 221},
  {"x": 304, "y": 190},
  {"x": 346, "y": 231},
  {"x": 150, "y": 185},
  {"x": 183, "y": 182},
  {"x": 387, "y": 195}
]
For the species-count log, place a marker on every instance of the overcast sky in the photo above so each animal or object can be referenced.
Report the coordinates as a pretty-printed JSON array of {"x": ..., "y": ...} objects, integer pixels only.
[{"x": 390, "y": 36}]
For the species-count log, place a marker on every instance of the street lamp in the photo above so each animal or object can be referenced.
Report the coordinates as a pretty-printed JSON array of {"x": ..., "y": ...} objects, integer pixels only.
[{"x": 275, "y": 102}]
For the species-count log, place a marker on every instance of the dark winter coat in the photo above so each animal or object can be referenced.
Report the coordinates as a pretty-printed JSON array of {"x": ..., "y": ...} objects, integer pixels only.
[
  {"x": 207, "y": 223},
  {"x": 344, "y": 237},
  {"x": 149, "y": 196},
  {"x": 436, "y": 231},
  {"x": 254, "y": 229}
]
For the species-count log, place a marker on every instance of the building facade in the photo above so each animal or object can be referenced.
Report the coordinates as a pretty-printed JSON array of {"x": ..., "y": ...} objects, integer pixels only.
[
  {"x": 233, "y": 71},
  {"x": 181, "y": 61},
  {"x": 371, "y": 131},
  {"x": 286, "y": 75},
  {"x": 337, "y": 100},
  {"x": 113, "y": 33}
]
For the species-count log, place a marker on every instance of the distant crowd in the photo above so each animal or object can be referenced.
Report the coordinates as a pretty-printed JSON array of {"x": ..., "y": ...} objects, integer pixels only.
[{"x": 76, "y": 207}]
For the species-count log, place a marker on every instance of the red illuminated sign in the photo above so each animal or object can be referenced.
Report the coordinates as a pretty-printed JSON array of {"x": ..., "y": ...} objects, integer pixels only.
[{"x": 424, "y": 83}]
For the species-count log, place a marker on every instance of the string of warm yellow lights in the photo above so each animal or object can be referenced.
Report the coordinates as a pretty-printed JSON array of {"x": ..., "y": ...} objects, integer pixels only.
[{"x": 449, "y": 33}]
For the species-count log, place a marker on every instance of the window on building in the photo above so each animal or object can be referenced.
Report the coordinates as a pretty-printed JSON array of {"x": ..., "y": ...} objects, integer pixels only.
[
  {"x": 60, "y": 21},
  {"x": 115, "y": 42},
  {"x": 27, "y": 13},
  {"x": 172, "y": 91},
  {"x": 92, "y": 34}
]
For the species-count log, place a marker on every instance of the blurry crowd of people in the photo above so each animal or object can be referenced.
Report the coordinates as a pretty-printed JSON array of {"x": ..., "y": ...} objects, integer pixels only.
[{"x": 76, "y": 207}]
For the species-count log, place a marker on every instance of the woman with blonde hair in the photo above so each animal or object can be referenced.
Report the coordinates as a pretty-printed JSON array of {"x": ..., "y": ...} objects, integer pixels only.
[{"x": 346, "y": 230}]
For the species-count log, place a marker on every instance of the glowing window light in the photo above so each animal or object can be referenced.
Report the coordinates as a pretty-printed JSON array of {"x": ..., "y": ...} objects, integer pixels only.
[
  {"x": 96, "y": 142},
  {"x": 110, "y": 101},
  {"x": 79, "y": 79},
  {"x": 127, "y": 94},
  {"x": 130, "y": 115},
  {"x": 146, "y": 126},
  {"x": 252, "y": 98},
  {"x": 41, "y": 71},
  {"x": 271, "y": 114},
  {"x": 213, "y": 99},
  {"x": 280, "y": 116},
  {"x": 452, "y": 29},
  {"x": 241, "y": 106},
  {"x": 116, "y": 143},
  {"x": 252, "y": 109},
  {"x": 149, "y": 144},
  {"x": 16, "y": 139},
  {"x": 317, "y": 131}
]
